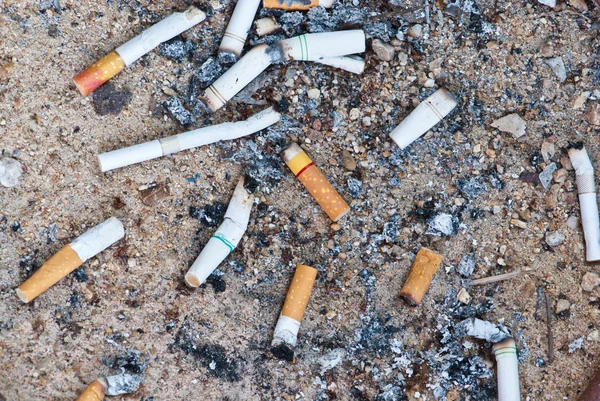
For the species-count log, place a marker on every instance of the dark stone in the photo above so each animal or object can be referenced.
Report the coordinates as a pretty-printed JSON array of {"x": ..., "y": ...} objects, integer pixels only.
[
  {"x": 53, "y": 30},
  {"x": 80, "y": 275},
  {"x": 107, "y": 100},
  {"x": 210, "y": 215}
]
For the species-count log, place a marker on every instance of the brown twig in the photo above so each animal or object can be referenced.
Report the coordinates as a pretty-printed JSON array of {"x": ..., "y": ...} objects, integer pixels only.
[
  {"x": 549, "y": 327},
  {"x": 493, "y": 279}
]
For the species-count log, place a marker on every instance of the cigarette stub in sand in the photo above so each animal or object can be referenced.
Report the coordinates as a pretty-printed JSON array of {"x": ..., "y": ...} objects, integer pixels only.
[
  {"x": 103, "y": 70},
  {"x": 239, "y": 25},
  {"x": 297, "y": 4},
  {"x": 423, "y": 269},
  {"x": 70, "y": 257},
  {"x": 310, "y": 47},
  {"x": 315, "y": 182},
  {"x": 226, "y": 239},
  {"x": 508, "y": 370},
  {"x": 266, "y": 26},
  {"x": 592, "y": 391},
  {"x": 188, "y": 140},
  {"x": 427, "y": 114},
  {"x": 288, "y": 325},
  {"x": 586, "y": 188},
  {"x": 95, "y": 391}
]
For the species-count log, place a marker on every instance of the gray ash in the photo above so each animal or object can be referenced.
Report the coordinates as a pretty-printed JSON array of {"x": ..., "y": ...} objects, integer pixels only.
[
  {"x": 29, "y": 265},
  {"x": 283, "y": 352},
  {"x": 354, "y": 187},
  {"x": 379, "y": 30},
  {"x": 209, "y": 215},
  {"x": 319, "y": 20},
  {"x": 132, "y": 361},
  {"x": 208, "y": 72},
  {"x": 177, "y": 111},
  {"x": 216, "y": 281},
  {"x": 80, "y": 275},
  {"x": 466, "y": 267},
  {"x": 472, "y": 187},
  {"x": 212, "y": 356},
  {"x": 177, "y": 49},
  {"x": 291, "y": 23}
]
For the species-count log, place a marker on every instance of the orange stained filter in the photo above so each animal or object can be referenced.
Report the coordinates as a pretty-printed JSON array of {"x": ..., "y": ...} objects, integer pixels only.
[
  {"x": 100, "y": 72},
  {"x": 93, "y": 392},
  {"x": 290, "y": 4},
  {"x": 299, "y": 292},
  {"x": 58, "y": 266},
  {"x": 315, "y": 182},
  {"x": 423, "y": 269}
]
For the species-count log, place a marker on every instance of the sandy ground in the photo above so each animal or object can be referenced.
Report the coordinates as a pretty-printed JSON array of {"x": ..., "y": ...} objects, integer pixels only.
[{"x": 129, "y": 308}]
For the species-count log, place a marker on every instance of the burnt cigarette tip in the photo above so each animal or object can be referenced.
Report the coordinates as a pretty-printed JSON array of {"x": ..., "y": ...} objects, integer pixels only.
[
  {"x": 284, "y": 352},
  {"x": 409, "y": 299}
]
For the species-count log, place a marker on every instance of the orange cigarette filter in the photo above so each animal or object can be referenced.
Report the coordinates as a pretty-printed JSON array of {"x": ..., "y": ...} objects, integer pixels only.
[
  {"x": 315, "y": 182},
  {"x": 100, "y": 72},
  {"x": 57, "y": 267},
  {"x": 93, "y": 392},
  {"x": 423, "y": 269},
  {"x": 299, "y": 292},
  {"x": 293, "y": 4}
]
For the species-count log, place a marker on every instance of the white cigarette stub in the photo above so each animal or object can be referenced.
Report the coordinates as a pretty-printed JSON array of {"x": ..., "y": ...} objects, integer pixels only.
[
  {"x": 188, "y": 140},
  {"x": 310, "y": 47},
  {"x": 353, "y": 64},
  {"x": 161, "y": 32},
  {"x": 70, "y": 257},
  {"x": 427, "y": 114},
  {"x": 226, "y": 239},
  {"x": 508, "y": 370},
  {"x": 586, "y": 188},
  {"x": 239, "y": 25}
]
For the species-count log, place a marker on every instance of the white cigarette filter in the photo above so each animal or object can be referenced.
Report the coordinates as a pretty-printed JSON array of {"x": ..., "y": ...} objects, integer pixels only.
[
  {"x": 353, "y": 64},
  {"x": 70, "y": 257},
  {"x": 288, "y": 325},
  {"x": 586, "y": 188},
  {"x": 107, "y": 67},
  {"x": 427, "y": 114},
  {"x": 266, "y": 26},
  {"x": 309, "y": 47},
  {"x": 508, "y": 370},
  {"x": 188, "y": 140},
  {"x": 226, "y": 239},
  {"x": 297, "y": 5},
  {"x": 239, "y": 25}
]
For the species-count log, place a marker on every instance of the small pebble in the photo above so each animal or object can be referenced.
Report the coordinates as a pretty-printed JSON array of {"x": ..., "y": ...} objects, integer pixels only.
[
  {"x": 580, "y": 5},
  {"x": 415, "y": 31},
  {"x": 562, "y": 305},
  {"x": 589, "y": 281},
  {"x": 463, "y": 296},
  {"x": 512, "y": 123},
  {"x": 384, "y": 51},
  {"x": 573, "y": 222},
  {"x": 554, "y": 238},
  {"x": 10, "y": 172},
  {"x": 466, "y": 267},
  {"x": 557, "y": 66},
  {"x": 314, "y": 93},
  {"x": 547, "y": 150},
  {"x": 348, "y": 161},
  {"x": 549, "y": 3},
  {"x": 547, "y": 175},
  {"x": 593, "y": 114}
]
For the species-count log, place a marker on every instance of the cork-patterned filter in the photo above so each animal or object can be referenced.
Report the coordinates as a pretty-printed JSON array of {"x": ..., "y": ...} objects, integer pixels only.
[
  {"x": 315, "y": 182},
  {"x": 100, "y": 72},
  {"x": 58, "y": 266},
  {"x": 93, "y": 392},
  {"x": 299, "y": 292},
  {"x": 290, "y": 4},
  {"x": 423, "y": 269}
]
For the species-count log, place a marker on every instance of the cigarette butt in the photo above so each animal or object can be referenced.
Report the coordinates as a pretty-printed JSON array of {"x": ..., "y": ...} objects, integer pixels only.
[
  {"x": 297, "y": 5},
  {"x": 239, "y": 25},
  {"x": 266, "y": 26},
  {"x": 129, "y": 52},
  {"x": 315, "y": 182},
  {"x": 427, "y": 114},
  {"x": 423, "y": 269},
  {"x": 94, "y": 392},
  {"x": 288, "y": 325},
  {"x": 508, "y": 370},
  {"x": 100, "y": 72},
  {"x": 353, "y": 64},
  {"x": 70, "y": 257}
]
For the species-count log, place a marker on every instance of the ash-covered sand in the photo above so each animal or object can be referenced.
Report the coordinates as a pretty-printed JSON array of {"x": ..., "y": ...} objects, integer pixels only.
[{"x": 130, "y": 309}]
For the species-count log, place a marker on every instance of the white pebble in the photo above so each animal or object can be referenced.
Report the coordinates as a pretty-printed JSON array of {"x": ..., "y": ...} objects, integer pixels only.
[{"x": 10, "y": 172}]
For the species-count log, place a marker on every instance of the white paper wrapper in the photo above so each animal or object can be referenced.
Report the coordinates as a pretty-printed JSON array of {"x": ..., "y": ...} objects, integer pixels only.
[
  {"x": 188, "y": 140},
  {"x": 508, "y": 371},
  {"x": 158, "y": 33},
  {"x": 427, "y": 114},
  {"x": 226, "y": 239},
  {"x": 586, "y": 188},
  {"x": 286, "y": 332},
  {"x": 98, "y": 238},
  {"x": 353, "y": 64},
  {"x": 239, "y": 25}
]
